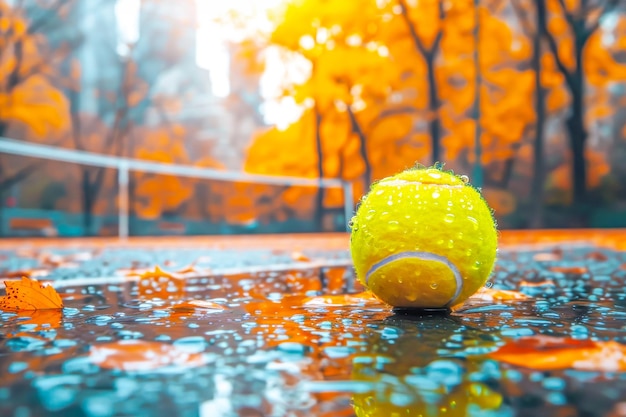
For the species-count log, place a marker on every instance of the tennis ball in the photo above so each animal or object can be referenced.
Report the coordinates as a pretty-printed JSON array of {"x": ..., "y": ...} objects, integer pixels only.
[{"x": 424, "y": 238}]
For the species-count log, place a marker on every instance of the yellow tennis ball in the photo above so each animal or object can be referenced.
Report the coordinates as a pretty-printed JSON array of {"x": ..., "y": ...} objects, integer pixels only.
[{"x": 424, "y": 238}]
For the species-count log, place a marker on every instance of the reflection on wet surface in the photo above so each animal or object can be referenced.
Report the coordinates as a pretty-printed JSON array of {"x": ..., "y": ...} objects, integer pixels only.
[{"x": 289, "y": 340}]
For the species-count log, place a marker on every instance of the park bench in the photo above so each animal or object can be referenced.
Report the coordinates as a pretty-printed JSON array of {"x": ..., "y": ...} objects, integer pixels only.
[{"x": 32, "y": 227}]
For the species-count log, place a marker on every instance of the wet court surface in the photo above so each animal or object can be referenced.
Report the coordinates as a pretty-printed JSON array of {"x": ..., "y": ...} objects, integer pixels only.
[{"x": 279, "y": 328}]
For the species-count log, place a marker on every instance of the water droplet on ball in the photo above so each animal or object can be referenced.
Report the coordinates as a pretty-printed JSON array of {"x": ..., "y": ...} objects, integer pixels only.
[
  {"x": 449, "y": 218},
  {"x": 465, "y": 179},
  {"x": 394, "y": 225},
  {"x": 436, "y": 194},
  {"x": 434, "y": 285},
  {"x": 434, "y": 175}
]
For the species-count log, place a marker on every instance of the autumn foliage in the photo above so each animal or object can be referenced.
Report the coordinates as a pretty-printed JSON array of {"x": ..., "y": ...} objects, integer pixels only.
[
  {"x": 513, "y": 94},
  {"x": 525, "y": 97}
]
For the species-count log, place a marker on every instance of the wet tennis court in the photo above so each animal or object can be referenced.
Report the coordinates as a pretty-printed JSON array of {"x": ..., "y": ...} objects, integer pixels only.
[{"x": 276, "y": 326}]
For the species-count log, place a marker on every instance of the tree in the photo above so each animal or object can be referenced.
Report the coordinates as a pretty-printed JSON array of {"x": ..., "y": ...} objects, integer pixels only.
[
  {"x": 106, "y": 132},
  {"x": 426, "y": 37},
  {"x": 415, "y": 94},
  {"x": 570, "y": 29},
  {"x": 322, "y": 34},
  {"x": 27, "y": 97}
]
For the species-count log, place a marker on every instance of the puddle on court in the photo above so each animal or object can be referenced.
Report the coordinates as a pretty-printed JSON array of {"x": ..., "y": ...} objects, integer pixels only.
[{"x": 302, "y": 341}]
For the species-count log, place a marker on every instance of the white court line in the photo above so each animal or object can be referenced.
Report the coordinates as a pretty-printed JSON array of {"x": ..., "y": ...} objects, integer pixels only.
[{"x": 117, "y": 279}]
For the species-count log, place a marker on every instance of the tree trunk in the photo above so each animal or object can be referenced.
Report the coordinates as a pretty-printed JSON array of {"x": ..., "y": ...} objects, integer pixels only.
[
  {"x": 477, "y": 170},
  {"x": 87, "y": 203},
  {"x": 536, "y": 189},
  {"x": 433, "y": 107},
  {"x": 356, "y": 128},
  {"x": 578, "y": 137},
  {"x": 319, "y": 197}
]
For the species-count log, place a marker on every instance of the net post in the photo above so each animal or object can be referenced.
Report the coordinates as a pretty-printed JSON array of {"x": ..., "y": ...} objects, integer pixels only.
[
  {"x": 348, "y": 202},
  {"x": 123, "y": 200}
]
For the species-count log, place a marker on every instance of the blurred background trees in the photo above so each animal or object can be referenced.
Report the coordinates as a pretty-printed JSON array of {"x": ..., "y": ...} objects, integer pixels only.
[{"x": 528, "y": 96}]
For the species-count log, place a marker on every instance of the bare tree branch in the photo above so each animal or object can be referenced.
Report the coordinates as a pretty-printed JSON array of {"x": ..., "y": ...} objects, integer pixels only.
[
  {"x": 554, "y": 48},
  {"x": 419, "y": 45},
  {"x": 568, "y": 16},
  {"x": 437, "y": 41}
]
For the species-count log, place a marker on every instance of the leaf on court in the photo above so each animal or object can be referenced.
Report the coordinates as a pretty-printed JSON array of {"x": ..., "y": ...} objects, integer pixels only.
[
  {"x": 198, "y": 305},
  {"x": 490, "y": 294},
  {"x": 157, "y": 273},
  {"x": 550, "y": 353},
  {"x": 29, "y": 294},
  {"x": 342, "y": 300},
  {"x": 300, "y": 257},
  {"x": 139, "y": 355},
  {"x": 189, "y": 269},
  {"x": 160, "y": 284}
]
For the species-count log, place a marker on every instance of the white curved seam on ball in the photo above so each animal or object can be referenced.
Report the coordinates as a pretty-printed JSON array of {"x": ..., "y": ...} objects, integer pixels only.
[
  {"x": 404, "y": 182},
  {"x": 425, "y": 256}
]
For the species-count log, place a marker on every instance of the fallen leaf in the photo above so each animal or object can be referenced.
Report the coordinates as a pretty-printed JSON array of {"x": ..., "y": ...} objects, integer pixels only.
[
  {"x": 597, "y": 256},
  {"x": 160, "y": 284},
  {"x": 550, "y": 353},
  {"x": 546, "y": 283},
  {"x": 157, "y": 273},
  {"x": 189, "y": 269},
  {"x": 342, "y": 300},
  {"x": 197, "y": 305},
  {"x": 547, "y": 257},
  {"x": 490, "y": 294},
  {"x": 575, "y": 270},
  {"x": 139, "y": 355},
  {"x": 29, "y": 294},
  {"x": 300, "y": 257}
]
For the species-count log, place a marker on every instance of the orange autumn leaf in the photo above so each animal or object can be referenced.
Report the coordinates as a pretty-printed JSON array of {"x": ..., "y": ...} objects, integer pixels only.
[
  {"x": 157, "y": 273},
  {"x": 490, "y": 294},
  {"x": 29, "y": 294},
  {"x": 550, "y": 353},
  {"x": 300, "y": 257},
  {"x": 189, "y": 269},
  {"x": 138, "y": 355},
  {"x": 341, "y": 300},
  {"x": 197, "y": 305},
  {"x": 160, "y": 284}
]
